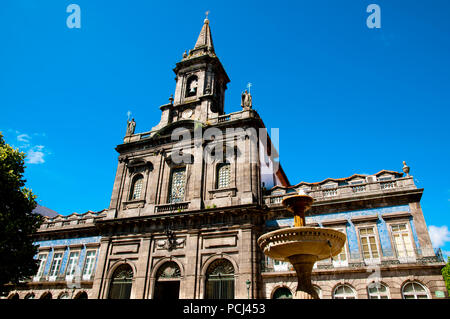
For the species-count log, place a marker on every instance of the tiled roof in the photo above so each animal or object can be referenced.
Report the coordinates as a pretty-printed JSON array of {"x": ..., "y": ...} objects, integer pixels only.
[{"x": 44, "y": 211}]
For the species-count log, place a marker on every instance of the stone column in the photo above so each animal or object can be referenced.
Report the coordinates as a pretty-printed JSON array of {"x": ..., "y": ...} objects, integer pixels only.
[
  {"x": 141, "y": 277},
  {"x": 303, "y": 265},
  {"x": 101, "y": 271},
  {"x": 189, "y": 288},
  {"x": 245, "y": 264},
  {"x": 117, "y": 190},
  {"x": 421, "y": 229}
]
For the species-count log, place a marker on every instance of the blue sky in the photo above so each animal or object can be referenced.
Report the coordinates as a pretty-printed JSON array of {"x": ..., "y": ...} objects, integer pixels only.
[{"x": 359, "y": 99}]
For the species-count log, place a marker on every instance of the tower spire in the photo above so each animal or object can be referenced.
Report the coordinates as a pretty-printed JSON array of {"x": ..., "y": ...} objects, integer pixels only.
[{"x": 204, "y": 41}]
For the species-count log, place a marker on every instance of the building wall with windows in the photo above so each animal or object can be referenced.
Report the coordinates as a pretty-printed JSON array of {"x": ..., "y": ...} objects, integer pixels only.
[
  {"x": 67, "y": 258},
  {"x": 388, "y": 252}
]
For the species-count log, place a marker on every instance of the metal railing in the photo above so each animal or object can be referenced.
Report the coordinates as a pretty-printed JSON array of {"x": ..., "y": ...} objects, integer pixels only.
[{"x": 172, "y": 207}]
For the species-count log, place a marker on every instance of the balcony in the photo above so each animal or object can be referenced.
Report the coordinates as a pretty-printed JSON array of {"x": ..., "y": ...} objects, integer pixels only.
[
  {"x": 355, "y": 260},
  {"x": 172, "y": 207}
]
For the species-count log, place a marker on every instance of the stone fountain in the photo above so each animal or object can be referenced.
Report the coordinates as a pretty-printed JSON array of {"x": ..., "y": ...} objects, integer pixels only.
[{"x": 300, "y": 245}]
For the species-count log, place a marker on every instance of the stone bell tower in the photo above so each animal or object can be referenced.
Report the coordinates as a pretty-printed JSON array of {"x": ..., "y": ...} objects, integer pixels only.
[{"x": 201, "y": 82}]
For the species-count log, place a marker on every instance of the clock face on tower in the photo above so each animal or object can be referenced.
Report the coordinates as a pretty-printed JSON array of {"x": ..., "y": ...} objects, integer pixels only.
[{"x": 187, "y": 114}]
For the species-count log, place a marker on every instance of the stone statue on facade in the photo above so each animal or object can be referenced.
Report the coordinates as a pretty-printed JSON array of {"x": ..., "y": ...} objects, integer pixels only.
[
  {"x": 131, "y": 125},
  {"x": 246, "y": 100}
]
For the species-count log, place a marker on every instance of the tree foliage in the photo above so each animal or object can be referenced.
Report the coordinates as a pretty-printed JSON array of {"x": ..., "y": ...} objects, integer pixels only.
[
  {"x": 446, "y": 275},
  {"x": 17, "y": 222}
]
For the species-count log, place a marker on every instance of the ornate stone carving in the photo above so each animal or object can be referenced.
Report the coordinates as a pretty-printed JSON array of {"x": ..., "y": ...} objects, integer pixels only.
[
  {"x": 405, "y": 169},
  {"x": 169, "y": 270}
]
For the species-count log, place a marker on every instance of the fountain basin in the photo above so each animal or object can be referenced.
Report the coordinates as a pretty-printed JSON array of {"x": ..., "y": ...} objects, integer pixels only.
[{"x": 288, "y": 242}]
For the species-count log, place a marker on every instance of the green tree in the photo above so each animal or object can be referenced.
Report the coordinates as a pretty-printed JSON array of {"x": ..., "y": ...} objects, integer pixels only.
[
  {"x": 17, "y": 222},
  {"x": 446, "y": 274}
]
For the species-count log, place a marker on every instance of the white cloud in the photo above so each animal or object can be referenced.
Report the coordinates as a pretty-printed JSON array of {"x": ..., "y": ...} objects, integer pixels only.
[
  {"x": 23, "y": 138},
  {"x": 35, "y": 155},
  {"x": 439, "y": 235},
  {"x": 25, "y": 142},
  {"x": 446, "y": 254}
]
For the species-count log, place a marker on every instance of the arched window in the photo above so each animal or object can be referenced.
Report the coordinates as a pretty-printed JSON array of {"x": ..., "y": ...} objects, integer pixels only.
[
  {"x": 64, "y": 295},
  {"x": 46, "y": 295},
  {"x": 121, "y": 283},
  {"x": 282, "y": 293},
  {"x": 191, "y": 87},
  {"x": 344, "y": 292},
  {"x": 14, "y": 296},
  {"x": 220, "y": 280},
  {"x": 414, "y": 290},
  {"x": 318, "y": 291},
  {"x": 30, "y": 296},
  {"x": 136, "y": 188},
  {"x": 167, "y": 285},
  {"x": 377, "y": 291},
  {"x": 223, "y": 175}
]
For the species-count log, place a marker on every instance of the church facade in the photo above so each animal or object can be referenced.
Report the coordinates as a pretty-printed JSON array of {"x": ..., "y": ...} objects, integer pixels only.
[{"x": 192, "y": 196}]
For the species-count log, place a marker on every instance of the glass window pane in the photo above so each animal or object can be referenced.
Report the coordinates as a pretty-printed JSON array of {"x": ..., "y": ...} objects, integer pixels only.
[
  {"x": 137, "y": 188},
  {"x": 223, "y": 176},
  {"x": 408, "y": 288},
  {"x": 418, "y": 287},
  {"x": 177, "y": 187}
]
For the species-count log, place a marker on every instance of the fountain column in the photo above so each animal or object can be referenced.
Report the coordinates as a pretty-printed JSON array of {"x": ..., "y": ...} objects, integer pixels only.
[{"x": 302, "y": 246}]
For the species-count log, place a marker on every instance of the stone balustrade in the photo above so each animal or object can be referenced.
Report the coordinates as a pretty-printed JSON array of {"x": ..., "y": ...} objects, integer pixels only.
[{"x": 348, "y": 191}]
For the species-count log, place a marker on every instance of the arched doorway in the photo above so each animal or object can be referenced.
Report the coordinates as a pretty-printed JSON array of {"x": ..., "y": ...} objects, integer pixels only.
[
  {"x": 220, "y": 280},
  {"x": 14, "y": 296},
  {"x": 121, "y": 283},
  {"x": 282, "y": 293},
  {"x": 167, "y": 285}
]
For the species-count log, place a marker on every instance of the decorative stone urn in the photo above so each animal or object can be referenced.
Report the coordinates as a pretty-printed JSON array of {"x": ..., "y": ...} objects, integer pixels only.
[{"x": 302, "y": 246}]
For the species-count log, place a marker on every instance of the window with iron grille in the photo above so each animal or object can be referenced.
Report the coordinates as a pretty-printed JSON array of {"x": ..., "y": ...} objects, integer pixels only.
[
  {"x": 136, "y": 189},
  {"x": 177, "y": 185},
  {"x": 223, "y": 175}
]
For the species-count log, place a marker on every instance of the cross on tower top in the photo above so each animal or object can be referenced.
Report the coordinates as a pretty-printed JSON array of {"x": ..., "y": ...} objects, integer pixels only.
[{"x": 249, "y": 85}]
